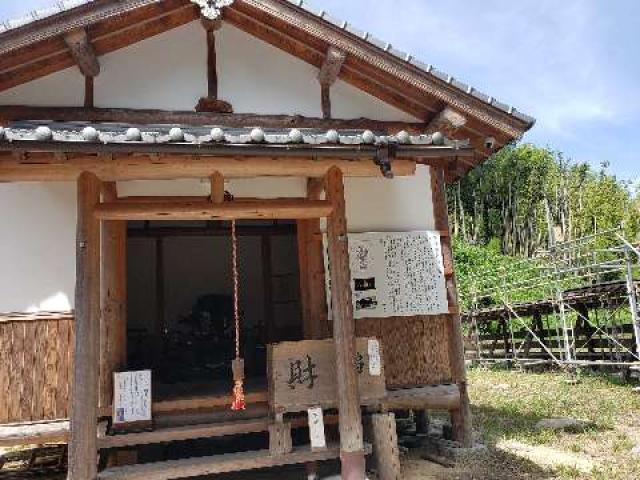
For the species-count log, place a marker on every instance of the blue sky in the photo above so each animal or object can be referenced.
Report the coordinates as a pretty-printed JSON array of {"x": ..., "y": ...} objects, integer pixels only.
[{"x": 572, "y": 64}]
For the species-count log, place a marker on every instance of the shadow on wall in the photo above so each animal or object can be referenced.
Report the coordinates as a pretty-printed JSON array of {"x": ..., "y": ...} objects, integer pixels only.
[{"x": 37, "y": 246}]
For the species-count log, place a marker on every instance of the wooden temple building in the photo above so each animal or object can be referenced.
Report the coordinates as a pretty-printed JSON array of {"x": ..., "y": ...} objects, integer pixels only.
[{"x": 191, "y": 185}]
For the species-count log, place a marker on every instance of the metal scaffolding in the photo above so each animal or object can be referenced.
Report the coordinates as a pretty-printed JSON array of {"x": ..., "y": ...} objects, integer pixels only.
[{"x": 574, "y": 304}]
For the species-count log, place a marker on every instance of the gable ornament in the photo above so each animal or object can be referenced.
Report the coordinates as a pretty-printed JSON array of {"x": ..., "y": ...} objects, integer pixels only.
[{"x": 211, "y": 9}]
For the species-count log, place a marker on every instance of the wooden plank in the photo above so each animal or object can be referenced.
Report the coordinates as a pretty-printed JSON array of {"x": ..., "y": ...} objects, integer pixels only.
[
  {"x": 351, "y": 440},
  {"x": 266, "y": 209},
  {"x": 50, "y": 166},
  {"x": 234, "y": 462},
  {"x": 39, "y": 343},
  {"x": 28, "y": 375},
  {"x": 191, "y": 432},
  {"x": 17, "y": 370},
  {"x": 84, "y": 411},
  {"x": 5, "y": 371},
  {"x": 461, "y": 418},
  {"x": 50, "y": 366},
  {"x": 304, "y": 374},
  {"x": 63, "y": 368}
]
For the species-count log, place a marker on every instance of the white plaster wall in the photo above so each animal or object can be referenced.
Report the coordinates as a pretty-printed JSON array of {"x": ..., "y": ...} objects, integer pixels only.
[
  {"x": 168, "y": 71},
  {"x": 64, "y": 88},
  {"x": 37, "y": 247},
  {"x": 400, "y": 205}
]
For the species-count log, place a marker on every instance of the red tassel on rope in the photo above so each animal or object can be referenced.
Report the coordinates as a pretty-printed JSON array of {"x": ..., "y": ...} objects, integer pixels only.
[{"x": 238, "y": 401}]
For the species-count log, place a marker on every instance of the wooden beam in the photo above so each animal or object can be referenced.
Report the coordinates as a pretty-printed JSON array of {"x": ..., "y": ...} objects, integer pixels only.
[
  {"x": 328, "y": 75},
  {"x": 265, "y": 209},
  {"x": 113, "y": 287},
  {"x": 83, "y": 53},
  {"x": 447, "y": 122},
  {"x": 436, "y": 397},
  {"x": 461, "y": 417},
  {"x": 56, "y": 167},
  {"x": 84, "y": 409},
  {"x": 10, "y": 113},
  {"x": 351, "y": 434}
]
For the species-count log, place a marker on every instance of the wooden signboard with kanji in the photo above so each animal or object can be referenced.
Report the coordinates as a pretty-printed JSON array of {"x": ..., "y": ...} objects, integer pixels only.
[{"x": 303, "y": 374}]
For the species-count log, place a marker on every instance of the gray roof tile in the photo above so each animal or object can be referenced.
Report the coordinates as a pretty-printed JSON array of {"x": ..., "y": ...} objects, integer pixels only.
[{"x": 109, "y": 133}]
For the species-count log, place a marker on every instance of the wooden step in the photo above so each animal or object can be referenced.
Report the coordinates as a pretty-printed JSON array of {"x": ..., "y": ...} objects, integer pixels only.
[
  {"x": 191, "y": 432},
  {"x": 235, "y": 462}
]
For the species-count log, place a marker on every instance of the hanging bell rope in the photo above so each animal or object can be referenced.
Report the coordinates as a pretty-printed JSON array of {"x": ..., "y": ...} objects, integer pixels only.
[{"x": 238, "y": 398}]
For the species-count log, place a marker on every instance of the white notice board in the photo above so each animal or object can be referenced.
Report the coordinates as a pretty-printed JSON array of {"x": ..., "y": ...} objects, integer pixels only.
[
  {"x": 132, "y": 397},
  {"x": 396, "y": 274}
]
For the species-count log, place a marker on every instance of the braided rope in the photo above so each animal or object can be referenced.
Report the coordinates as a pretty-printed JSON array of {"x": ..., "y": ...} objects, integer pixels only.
[{"x": 236, "y": 284}]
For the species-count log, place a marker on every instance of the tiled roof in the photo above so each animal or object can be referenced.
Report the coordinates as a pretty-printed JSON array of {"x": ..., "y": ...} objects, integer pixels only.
[
  {"x": 65, "y": 5},
  {"x": 109, "y": 134}
]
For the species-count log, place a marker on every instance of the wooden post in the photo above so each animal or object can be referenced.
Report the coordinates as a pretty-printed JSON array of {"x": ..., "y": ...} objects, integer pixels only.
[
  {"x": 351, "y": 442},
  {"x": 460, "y": 418},
  {"x": 384, "y": 438},
  {"x": 84, "y": 410},
  {"x": 312, "y": 275},
  {"x": 113, "y": 324},
  {"x": 160, "y": 320},
  {"x": 217, "y": 188}
]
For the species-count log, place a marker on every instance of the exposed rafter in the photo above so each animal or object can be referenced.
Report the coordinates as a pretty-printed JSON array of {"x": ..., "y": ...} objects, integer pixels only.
[
  {"x": 328, "y": 75},
  {"x": 83, "y": 52}
]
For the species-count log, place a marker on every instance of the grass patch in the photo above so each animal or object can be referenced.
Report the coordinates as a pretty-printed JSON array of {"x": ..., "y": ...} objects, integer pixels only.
[{"x": 507, "y": 406}]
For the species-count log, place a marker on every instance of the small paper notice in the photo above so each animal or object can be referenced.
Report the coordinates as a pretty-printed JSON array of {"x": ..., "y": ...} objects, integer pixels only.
[
  {"x": 375, "y": 364},
  {"x": 132, "y": 397},
  {"x": 316, "y": 429}
]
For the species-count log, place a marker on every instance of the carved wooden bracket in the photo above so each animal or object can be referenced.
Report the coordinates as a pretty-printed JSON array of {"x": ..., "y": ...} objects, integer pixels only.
[
  {"x": 328, "y": 75},
  {"x": 83, "y": 52},
  {"x": 211, "y": 9}
]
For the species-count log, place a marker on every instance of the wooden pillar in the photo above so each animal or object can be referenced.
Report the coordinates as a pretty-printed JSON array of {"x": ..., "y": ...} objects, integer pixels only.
[
  {"x": 84, "y": 408},
  {"x": 160, "y": 320},
  {"x": 312, "y": 273},
  {"x": 350, "y": 415},
  {"x": 269, "y": 329},
  {"x": 113, "y": 301},
  {"x": 461, "y": 418},
  {"x": 384, "y": 438}
]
